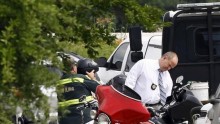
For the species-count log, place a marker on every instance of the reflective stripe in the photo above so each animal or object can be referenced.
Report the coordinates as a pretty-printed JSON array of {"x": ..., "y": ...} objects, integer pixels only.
[
  {"x": 75, "y": 101},
  {"x": 88, "y": 77},
  {"x": 70, "y": 80}
]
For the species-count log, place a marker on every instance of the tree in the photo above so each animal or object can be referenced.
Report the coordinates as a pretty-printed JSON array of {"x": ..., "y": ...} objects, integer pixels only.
[
  {"x": 34, "y": 30},
  {"x": 130, "y": 12},
  {"x": 170, "y": 4}
]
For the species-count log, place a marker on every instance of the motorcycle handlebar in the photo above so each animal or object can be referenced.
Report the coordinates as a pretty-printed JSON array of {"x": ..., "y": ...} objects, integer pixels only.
[{"x": 179, "y": 90}]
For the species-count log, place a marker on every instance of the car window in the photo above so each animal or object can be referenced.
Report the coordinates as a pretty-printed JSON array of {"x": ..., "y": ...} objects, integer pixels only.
[
  {"x": 129, "y": 63},
  {"x": 202, "y": 41},
  {"x": 154, "y": 49},
  {"x": 118, "y": 56}
]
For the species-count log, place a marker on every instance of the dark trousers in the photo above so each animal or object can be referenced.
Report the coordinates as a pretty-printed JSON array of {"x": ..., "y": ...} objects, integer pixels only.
[{"x": 75, "y": 117}]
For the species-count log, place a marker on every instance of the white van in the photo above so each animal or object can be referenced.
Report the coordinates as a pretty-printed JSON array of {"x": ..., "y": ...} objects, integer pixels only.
[{"x": 120, "y": 60}]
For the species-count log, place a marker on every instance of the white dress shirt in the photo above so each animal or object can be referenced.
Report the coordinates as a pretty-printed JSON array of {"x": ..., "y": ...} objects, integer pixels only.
[{"x": 143, "y": 76}]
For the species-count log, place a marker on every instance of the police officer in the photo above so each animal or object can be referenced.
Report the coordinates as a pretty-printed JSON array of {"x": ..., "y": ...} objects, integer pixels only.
[{"x": 79, "y": 80}]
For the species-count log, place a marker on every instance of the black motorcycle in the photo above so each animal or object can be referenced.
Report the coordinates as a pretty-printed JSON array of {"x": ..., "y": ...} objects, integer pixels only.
[
  {"x": 91, "y": 104},
  {"x": 178, "y": 106}
]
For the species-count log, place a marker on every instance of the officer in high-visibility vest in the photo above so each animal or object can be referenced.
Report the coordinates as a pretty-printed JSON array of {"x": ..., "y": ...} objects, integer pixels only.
[{"x": 80, "y": 81}]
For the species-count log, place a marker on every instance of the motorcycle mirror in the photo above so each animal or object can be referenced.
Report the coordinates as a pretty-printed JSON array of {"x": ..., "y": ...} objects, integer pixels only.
[{"x": 179, "y": 79}]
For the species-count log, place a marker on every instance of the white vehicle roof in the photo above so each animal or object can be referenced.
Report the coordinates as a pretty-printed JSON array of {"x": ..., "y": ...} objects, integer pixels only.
[{"x": 146, "y": 36}]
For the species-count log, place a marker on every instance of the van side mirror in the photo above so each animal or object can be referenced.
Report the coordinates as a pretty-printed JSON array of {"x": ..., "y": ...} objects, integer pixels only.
[
  {"x": 135, "y": 43},
  {"x": 102, "y": 61},
  {"x": 136, "y": 56},
  {"x": 135, "y": 38}
]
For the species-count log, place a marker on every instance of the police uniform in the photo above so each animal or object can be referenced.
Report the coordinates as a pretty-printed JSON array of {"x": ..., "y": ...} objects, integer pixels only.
[
  {"x": 72, "y": 87},
  {"x": 143, "y": 78}
]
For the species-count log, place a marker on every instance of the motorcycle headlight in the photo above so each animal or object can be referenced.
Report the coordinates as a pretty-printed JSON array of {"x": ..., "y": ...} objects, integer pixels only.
[
  {"x": 93, "y": 113},
  {"x": 103, "y": 119}
]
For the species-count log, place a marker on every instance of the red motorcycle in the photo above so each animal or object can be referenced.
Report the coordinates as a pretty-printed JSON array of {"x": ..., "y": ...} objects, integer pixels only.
[{"x": 119, "y": 104}]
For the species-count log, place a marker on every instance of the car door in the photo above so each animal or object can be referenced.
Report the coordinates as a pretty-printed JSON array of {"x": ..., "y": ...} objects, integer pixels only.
[
  {"x": 152, "y": 49},
  {"x": 114, "y": 64}
]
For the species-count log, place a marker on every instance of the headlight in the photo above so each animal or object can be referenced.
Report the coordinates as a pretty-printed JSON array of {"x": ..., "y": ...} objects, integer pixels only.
[
  {"x": 103, "y": 119},
  {"x": 93, "y": 113}
]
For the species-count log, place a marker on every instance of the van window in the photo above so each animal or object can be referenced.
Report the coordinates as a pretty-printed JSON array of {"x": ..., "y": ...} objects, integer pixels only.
[
  {"x": 153, "y": 51},
  {"x": 202, "y": 41},
  {"x": 117, "y": 58},
  {"x": 129, "y": 63}
]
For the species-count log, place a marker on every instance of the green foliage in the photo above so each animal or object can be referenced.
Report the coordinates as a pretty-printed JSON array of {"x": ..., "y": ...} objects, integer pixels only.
[
  {"x": 148, "y": 17},
  {"x": 168, "y": 5},
  {"x": 34, "y": 30},
  {"x": 4, "y": 120},
  {"x": 105, "y": 50}
]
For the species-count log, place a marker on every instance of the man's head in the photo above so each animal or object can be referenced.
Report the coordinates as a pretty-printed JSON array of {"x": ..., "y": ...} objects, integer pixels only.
[
  {"x": 70, "y": 65},
  {"x": 87, "y": 65},
  {"x": 168, "y": 61}
]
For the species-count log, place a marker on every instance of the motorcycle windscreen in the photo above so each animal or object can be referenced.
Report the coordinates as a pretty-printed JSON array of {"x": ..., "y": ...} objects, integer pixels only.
[
  {"x": 119, "y": 107},
  {"x": 181, "y": 110}
]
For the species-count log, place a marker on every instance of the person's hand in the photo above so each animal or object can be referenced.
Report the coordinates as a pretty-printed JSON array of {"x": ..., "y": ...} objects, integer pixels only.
[{"x": 91, "y": 75}]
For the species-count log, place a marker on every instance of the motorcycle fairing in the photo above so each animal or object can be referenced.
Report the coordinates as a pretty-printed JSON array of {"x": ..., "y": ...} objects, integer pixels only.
[
  {"x": 119, "y": 107},
  {"x": 181, "y": 110}
]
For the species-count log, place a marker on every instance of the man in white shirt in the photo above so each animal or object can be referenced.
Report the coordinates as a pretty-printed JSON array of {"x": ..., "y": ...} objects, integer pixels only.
[{"x": 143, "y": 78}]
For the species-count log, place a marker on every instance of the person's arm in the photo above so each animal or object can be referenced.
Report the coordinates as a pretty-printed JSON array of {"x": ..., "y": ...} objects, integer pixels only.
[
  {"x": 134, "y": 74},
  {"x": 91, "y": 84},
  {"x": 91, "y": 75}
]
